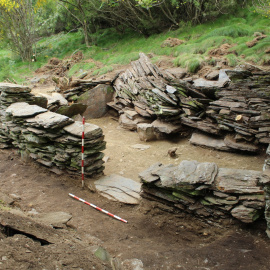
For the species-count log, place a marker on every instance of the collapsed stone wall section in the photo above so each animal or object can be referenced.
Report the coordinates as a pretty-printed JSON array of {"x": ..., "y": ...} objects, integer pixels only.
[{"x": 51, "y": 139}]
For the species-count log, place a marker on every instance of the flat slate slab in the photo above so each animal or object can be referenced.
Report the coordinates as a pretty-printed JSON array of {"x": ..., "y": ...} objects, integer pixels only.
[
  {"x": 56, "y": 219},
  {"x": 208, "y": 141},
  {"x": 238, "y": 181},
  {"x": 49, "y": 120},
  {"x": 14, "y": 88},
  {"x": 118, "y": 188},
  {"x": 90, "y": 131},
  {"x": 193, "y": 172},
  {"x": 23, "y": 109}
]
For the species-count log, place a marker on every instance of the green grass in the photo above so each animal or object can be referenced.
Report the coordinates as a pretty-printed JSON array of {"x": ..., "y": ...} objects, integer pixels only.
[
  {"x": 80, "y": 67},
  {"x": 103, "y": 70},
  {"x": 112, "y": 48}
]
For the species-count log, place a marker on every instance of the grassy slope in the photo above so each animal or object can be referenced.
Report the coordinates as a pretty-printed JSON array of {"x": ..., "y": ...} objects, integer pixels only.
[{"x": 114, "y": 49}]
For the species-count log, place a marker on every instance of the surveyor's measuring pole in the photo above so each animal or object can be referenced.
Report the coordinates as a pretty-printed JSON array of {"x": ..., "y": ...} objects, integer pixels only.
[
  {"x": 98, "y": 208},
  {"x": 83, "y": 121}
]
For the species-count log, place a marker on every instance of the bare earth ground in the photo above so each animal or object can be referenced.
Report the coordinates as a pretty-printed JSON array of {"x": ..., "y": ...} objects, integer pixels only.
[{"x": 161, "y": 240}]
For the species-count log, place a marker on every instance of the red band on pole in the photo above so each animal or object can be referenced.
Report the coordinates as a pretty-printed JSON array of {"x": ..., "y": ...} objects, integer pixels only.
[
  {"x": 97, "y": 208},
  {"x": 83, "y": 121}
]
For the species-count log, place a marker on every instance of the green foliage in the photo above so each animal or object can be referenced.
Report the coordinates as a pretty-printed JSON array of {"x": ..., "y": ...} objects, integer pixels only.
[
  {"x": 232, "y": 60},
  {"x": 80, "y": 67},
  {"x": 103, "y": 70},
  {"x": 192, "y": 62},
  {"x": 233, "y": 31}
]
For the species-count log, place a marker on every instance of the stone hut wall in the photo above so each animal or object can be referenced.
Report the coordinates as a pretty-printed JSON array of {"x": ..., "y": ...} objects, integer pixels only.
[
  {"x": 51, "y": 139},
  {"x": 207, "y": 191}
]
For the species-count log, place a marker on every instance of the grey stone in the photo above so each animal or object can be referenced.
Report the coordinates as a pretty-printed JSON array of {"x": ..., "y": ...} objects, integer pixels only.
[
  {"x": 237, "y": 74},
  {"x": 56, "y": 219},
  {"x": 131, "y": 114},
  {"x": 140, "y": 146},
  {"x": 96, "y": 100},
  {"x": 23, "y": 109},
  {"x": 178, "y": 73},
  {"x": 238, "y": 181},
  {"x": 91, "y": 131},
  {"x": 49, "y": 120},
  {"x": 170, "y": 89},
  {"x": 193, "y": 172},
  {"x": 242, "y": 146},
  {"x": 14, "y": 88},
  {"x": 218, "y": 201},
  {"x": 162, "y": 96},
  {"x": 132, "y": 264},
  {"x": 147, "y": 176},
  {"x": 118, "y": 188},
  {"x": 245, "y": 214},
  {"x": 209, "y": 84},
  {"x": 213, "y": 75},
  {"x": 201, "y": 139},
  {"x": 55, "y": 98},
  {"x": 165, "y": 127},
  {"x": 146, "y": 132},
  {"x": 59, "y": 98},
  {"x": 223, "y": 75},
  {"x": 127, "y": 123}
]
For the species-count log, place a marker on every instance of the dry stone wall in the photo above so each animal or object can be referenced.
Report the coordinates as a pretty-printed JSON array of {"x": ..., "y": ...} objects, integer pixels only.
[
  {"x": 52, "y": 139},
  {"x": 233, "y": 111},
  {"x": 206, "y": 190},
  {"x": 266, "y": 172}
]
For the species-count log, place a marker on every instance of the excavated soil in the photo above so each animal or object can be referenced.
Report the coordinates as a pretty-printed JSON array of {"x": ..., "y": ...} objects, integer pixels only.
[{"x": 159, "y": 239}]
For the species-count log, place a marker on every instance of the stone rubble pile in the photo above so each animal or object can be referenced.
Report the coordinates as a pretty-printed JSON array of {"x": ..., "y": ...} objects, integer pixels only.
[
  {"x": 233, "y": 109},
  {"x": 205, "y": 190},
  {"x": 52, "y": 139}
]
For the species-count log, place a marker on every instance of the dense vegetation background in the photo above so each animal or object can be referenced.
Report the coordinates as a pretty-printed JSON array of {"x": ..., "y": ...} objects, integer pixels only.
[{"x": 114, "y": 32}]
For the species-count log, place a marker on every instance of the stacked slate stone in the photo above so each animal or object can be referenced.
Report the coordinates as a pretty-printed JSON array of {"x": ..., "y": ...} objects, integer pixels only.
[
  {"x": 266, "y": 184},
  {"x": 156, "y": 102},
  {"x": 54, "y": 140},
  {"x": 10, "y": 93},
  {"x": 153, "y": 93},
  {"x": 206, "y": 190},
  {"x": 242, "y": 109}
]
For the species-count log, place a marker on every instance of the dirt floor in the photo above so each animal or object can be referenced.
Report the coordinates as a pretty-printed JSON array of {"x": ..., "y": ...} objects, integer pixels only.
[{"x": 160, "y": 240}]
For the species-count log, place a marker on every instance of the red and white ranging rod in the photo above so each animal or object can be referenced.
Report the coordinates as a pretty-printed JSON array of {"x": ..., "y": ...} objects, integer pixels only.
[
  {"x": 98, "y": 208},
  {"x": 83, "y": 122}
]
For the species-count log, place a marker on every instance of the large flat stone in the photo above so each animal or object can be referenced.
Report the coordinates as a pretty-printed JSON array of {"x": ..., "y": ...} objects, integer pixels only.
[
  {"x": 23, "y": 109},
  {"x": 165, "y": 127},
  {"x": 96, "y": 100},
  {"x": 242, "y": 146},
  {"x": 50, "y": 120},
  {"x": 193, "y": 172},
  {"x": 208, "y": 141},
  {"x": 238, "y": 181},
  {"x": 90, "y": 131},
  {"x": 56, "y": 219},
  {"x": 118, "y": 188},
  {"x": 14, "y": 88}
]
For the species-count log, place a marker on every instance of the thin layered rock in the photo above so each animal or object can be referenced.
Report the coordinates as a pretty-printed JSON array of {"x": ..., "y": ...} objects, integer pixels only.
[
  {"x": 54, "y": 140},
  {"x": 205, "y": 190},
  {"x": 237, "y": 104},
  {"x": 266, "y": 184}
]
